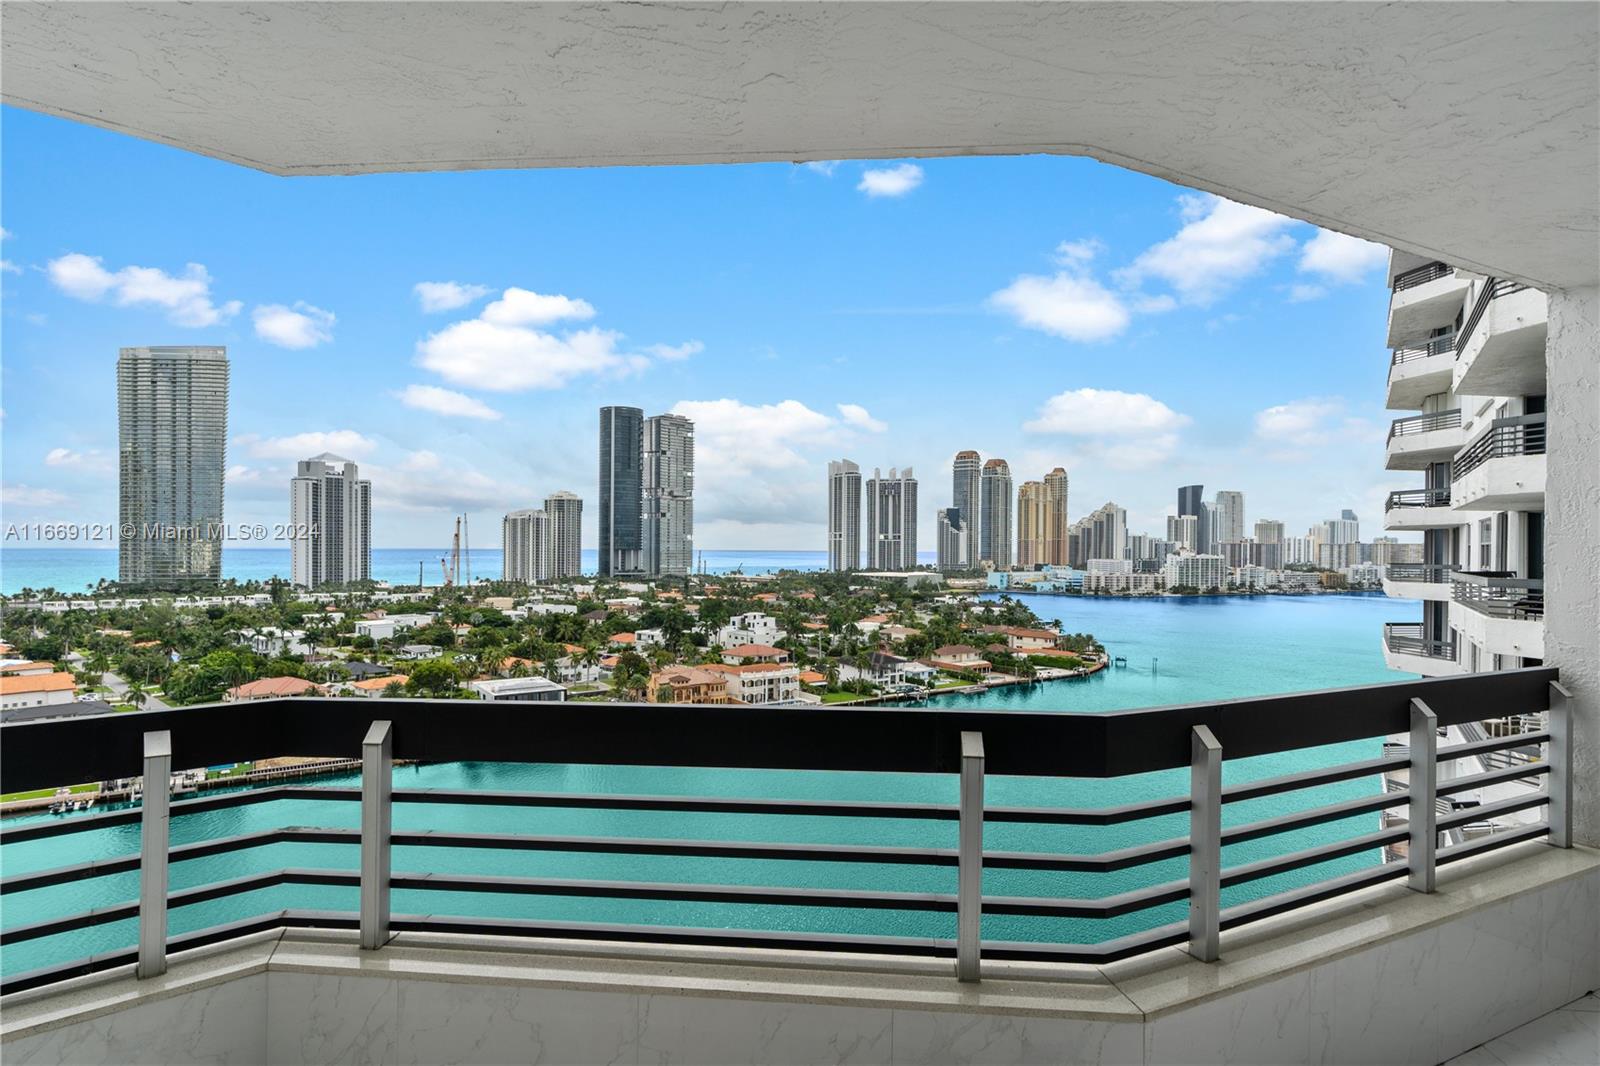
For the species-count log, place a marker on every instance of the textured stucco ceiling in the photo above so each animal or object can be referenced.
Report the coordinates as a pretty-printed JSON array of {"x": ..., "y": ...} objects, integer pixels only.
[{"x": 1462, "y": 130}]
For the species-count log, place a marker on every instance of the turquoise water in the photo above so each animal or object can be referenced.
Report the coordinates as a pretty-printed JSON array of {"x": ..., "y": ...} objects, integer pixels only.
[
  {"x": 1210, "y": 649},
  {"x": 73, "y": 570}
]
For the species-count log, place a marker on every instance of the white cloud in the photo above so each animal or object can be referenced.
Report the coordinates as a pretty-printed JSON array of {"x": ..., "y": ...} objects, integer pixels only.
[
  {"x": 1220, "y": 244},
  {"x": 891, "y": 181},
  {"x": 445, "y": 402},
  {"x": 502, "y": 351},
  {"x": 92, "y": 459},
  {"x": 1341, "y": 258},
  {"x": 520, "y": 307},
  {"x": 1299, "y": 294},
  {"x": 421, "y": 482},
  {"x": 1124, "y": 430},
  {"x": 857, "y": 416},
  {"x": 8, "y": 267},
  {"x": 447, "y": 295},
  {"x": 300, "y": 326},
  {"x": 345, "y": 442},
  {"x": 1070, "y": 305},
  {"x": 673, "y": 353},
  {"x": 825, "y": 167},
  {"x": 185, "y": 298},
  {"x": 757, "y": 464},
  {"x": 16, "y": 495},
  {"x": 1078, "y": 252},
  {"x": 1314, "y": 422}
]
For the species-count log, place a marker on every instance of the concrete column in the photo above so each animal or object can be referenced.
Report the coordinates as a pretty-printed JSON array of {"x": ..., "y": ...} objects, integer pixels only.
[{"x": 1572, "y": 536}]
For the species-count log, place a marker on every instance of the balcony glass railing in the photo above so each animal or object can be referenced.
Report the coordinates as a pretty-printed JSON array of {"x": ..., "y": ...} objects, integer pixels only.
[
  {"x": 1419, "y": 276},
  {"x": 909, "y": 831},
  {"x": 1411, "y": 425},
  {"x": 1492, "y": 290},
  {"x": 1406, "y": 638},
  {"x": 1418, "y": 498},
  {"x": 1426, "y": 572},
  {"x": 1521, "y": 435},
  {"x": 1436, "y": 346},
  {"x": 1498, "y": 594}
]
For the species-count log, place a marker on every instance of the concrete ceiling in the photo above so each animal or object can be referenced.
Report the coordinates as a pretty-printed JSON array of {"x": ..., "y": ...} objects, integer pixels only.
[{"x": 1465, "y": 131}]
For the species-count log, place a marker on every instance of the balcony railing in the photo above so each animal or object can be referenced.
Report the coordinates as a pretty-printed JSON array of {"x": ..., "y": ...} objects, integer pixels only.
[
  {"x": 1419, "y": 276},
  {"x": 1436, "y": 346},
  {"x": 1520, "y": 435},
  {"x": 1406, "y": 638},
  {"x": 1418, "y": 498},
  {"x": 1427, "y": 572},
  {"x": 1498, "y": 594},
  {"x": 974, "y": 747},
  {"x": 1492, "y": 290},
  {"x": 1414, "y": 424}
]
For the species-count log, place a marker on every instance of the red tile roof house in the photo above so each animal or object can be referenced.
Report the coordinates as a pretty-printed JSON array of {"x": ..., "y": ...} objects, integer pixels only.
[
  {"x": 271, "y": 687},
  {"x": 963, "y": 658},
  {"x": 754, "y": 653}
]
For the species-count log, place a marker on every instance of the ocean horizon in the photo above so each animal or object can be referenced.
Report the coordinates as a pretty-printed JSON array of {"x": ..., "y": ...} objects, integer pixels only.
[{"x": 77, "y": 570}]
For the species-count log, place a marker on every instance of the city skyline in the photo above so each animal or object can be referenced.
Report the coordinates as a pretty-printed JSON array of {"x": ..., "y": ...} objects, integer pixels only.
[{"x": 418, "y": 394}]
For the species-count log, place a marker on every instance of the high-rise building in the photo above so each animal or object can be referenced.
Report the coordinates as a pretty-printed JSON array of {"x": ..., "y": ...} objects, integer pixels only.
[
  {"x": 1191, "y": 501},
  {"x": 1030, "y": 525},
  {"x": 1108, "y": 532},
  {"x": 564, "y": 511},
  {"x": 965, "y": 493},
  {"x": 330, "y": 510},
  {"x": 1182, "y": 530},
  {"x": 1269, "y": 544},
  {"x": 952, "y": 539},
  {"x": 1078, "y": 539},
  {"x": 844, "y": 515},
  {"x": 667, "y": 477},
  {"x": 621, "y": 499},
  {"x": 525, "y": 546},
  {"x": 1228, "y": 510},
  {"x": 892, "y": 520},
  {"x": 995, "y": 492},
  {"x": 1055, "y": 517},
  {"x": 172, "y": 418}
]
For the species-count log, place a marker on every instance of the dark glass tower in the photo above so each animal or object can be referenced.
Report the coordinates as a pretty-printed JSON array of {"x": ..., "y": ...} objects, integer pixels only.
[
  {"x": 1191, "y": 501},
  {"x": 621, "y": 491}
]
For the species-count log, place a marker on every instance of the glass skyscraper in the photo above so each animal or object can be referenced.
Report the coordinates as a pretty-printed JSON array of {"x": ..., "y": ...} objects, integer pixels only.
[{"x": 621, "y": 501}]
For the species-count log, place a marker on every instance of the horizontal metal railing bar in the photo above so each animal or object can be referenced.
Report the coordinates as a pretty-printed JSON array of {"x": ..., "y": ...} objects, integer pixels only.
[
  {"x": 662, "y": 890},
  {"x": 130, "y": 816},
  {"x": 1333, "y": 812},
  {"x": 885, "y": 739},
  {"x": 1492, "y": 777},
  {"x": 1501, "y": 839},
  {"x": 1480, "y": 747},
  {"x": 1105, "y": 907},
  {"x": 179, "y": 853},
  {"x": 1273, "y": 786},
  {"x": 1282, "y": 864},
  {"x": 1412, "y": 425},
  {"x": 1124, "y": 947},
  {"x": 1419, "y": 275},
  {"x": 1283, "y": 902},
  {"x": 1105, "y": 862},
  {"x": 1485, "y": 811},
  {"x": 1418, "y": 498}
]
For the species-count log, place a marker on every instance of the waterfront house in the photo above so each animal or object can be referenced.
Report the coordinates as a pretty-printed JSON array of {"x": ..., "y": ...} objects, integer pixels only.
[
  {"x": 760, "y": 683},
  {"x": 687, "y": 684},
  {"x": 754, "y": 653}
]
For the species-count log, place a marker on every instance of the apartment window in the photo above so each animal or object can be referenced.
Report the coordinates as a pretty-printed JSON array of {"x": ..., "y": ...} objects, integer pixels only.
[{"x": 1485, "y": 543}]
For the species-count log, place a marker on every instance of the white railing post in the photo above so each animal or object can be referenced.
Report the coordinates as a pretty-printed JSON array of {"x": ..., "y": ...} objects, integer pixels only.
[
  {"x": 1422, "y": 808},
  {"x": 969, "y": 879},
  {"x": 1560, "y": 759},
  {"x": 377, "y": 820},
  {"x": 154, "y": 841},
  {"x": 1205, "y": 845}
]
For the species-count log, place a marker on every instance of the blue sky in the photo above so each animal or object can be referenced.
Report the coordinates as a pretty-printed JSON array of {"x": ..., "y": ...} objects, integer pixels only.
[{"x": 1046, "y": 310}]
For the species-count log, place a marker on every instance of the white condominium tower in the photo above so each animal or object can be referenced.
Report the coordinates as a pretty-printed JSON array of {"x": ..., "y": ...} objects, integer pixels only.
[
  {"x": 172, "y": 418},
  {"x": 844, "y": 515},
  {"x": 1055, "y": 524},
  {"x": 892, "y": 521},
  {"x": 965, "y": 476},
  {"x": 951, "y": 539},
  {"x": 1107, "y": 533},
  {"x": 668, "y": 503},
  {"x": 565, "y": 515},
  {"x": 994, "y": 538},
  {"x": 542, "y": 544},
  {"x": 1228, "y": 510},
  {"x": 330, "y": 510}
]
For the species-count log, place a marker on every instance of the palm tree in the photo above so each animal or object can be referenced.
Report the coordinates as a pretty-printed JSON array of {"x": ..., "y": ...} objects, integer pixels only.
[{"x": 135, "y": 694}]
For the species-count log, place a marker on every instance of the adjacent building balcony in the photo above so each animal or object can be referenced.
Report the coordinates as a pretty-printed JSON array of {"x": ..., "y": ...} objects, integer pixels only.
[
  {"x": 1418, "y": 441},
  {"x": 1419, "y": 509},
  {"x": 1503, "y": 469},
  {"x": 1417, "y": 581},
  {"x": 1405, "y": 648},
  {"x": 1500, "y": 349},
  {"x": 1501, "y": 613},
  {"x": 1420, "y": 370},
  {"x": 1424, "y": 299}
]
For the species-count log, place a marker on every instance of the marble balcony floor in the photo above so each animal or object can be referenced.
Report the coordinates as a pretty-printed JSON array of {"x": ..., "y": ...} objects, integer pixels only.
[{"x": 1569, "y": 1036}]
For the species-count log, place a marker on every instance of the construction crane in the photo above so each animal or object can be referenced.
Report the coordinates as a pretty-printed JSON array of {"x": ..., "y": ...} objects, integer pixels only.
[{"x": 451, "y": 567}]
